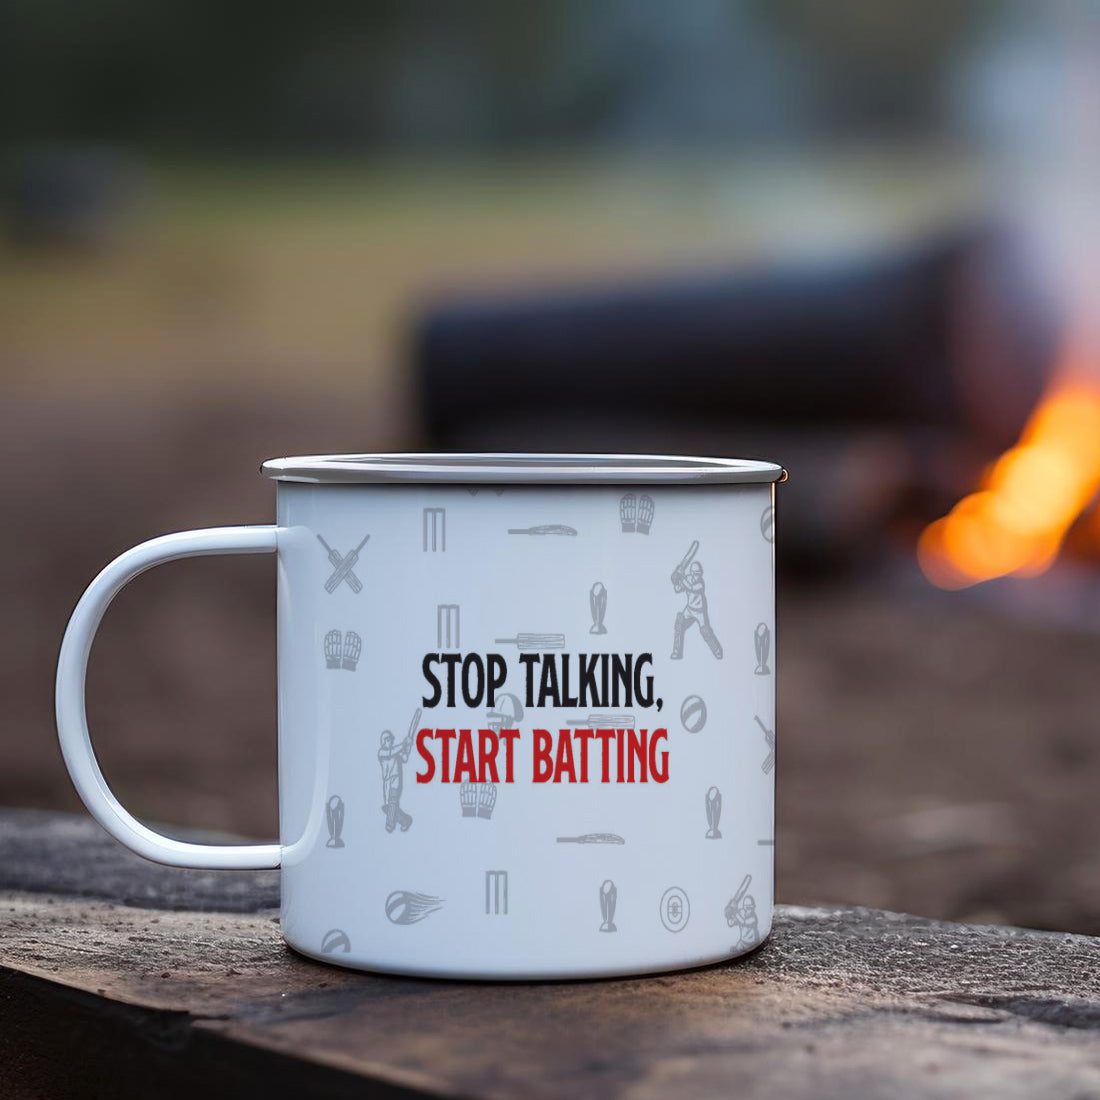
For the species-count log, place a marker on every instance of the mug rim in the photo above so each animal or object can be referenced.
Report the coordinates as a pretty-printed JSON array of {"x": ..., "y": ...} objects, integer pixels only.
[{"x": 510, "y": 467}]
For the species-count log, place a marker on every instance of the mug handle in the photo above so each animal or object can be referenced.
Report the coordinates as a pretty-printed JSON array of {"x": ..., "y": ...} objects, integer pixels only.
[{"x": 72, "y": 719}]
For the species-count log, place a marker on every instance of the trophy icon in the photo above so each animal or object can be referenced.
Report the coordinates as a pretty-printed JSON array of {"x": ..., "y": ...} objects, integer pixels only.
[
  {"x": 714, "y": 813},
  {"x": 334, "y": 816},
  {"x": 762, "y": 639},
  {"x": 597, "y": 601},
  {"x": 608, "y": 895}
]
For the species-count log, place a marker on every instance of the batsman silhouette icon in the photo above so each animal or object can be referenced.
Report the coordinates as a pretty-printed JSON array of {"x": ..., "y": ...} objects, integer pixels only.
[{"x": 688, "y": 577}]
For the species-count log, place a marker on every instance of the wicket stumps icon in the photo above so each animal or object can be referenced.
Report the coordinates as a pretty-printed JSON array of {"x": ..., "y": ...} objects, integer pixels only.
[
  {"x": 714, "y": 813},
  {"x": 597, "y": 604},
  {"x": 496, "y": 893},
  {"x": 609, "y": 895},
  {"x": 334, "y": 818},
  {"x": 448, "y": 617},
  {"x": 762, "y": 640},
  {"x": 435, "y": 530}
]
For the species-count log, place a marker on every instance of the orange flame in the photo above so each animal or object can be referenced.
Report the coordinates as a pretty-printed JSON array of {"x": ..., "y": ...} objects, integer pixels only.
[{"x": 1028, "y": 500}]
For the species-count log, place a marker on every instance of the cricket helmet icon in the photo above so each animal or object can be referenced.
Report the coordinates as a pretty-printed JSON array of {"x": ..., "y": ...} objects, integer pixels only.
[
  {"x": 387, "y": 739},
  {"x": 695, "y": 569},
  {"x": 507, "y": 715}
]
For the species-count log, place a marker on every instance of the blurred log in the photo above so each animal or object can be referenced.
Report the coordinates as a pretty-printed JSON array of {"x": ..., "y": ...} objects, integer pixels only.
[{"x": 951, "y": 333}]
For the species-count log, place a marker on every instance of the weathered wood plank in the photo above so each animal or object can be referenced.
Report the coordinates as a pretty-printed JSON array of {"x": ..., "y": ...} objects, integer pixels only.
[{"x": 839, "y": 1002}]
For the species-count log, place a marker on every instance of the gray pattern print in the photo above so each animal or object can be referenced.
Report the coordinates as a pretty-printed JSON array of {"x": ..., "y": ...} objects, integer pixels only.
[
  {"x": 767, "y": 523},
  {"x": 741, "y": 916},
  {"x": 544, "y": 529},
  {"x": 508, "y": 713},
  {"x": 448, "y": 619},
  {"x": 762, "y": 642},
  {"x": 392, "y": 758},
  {"x": 675, "y": 909},
  {"x": 496, "y": 893},
  {"x": 528, "y": 642},
  {"x": 478, "y": 799},
  {"x": 592, "y": 838},
  {"x": 693, "y": 713},
  {"x": 714, "y": 813},
  {"x": 601, "y": 721},
  {"x": 342, "y": 651},
  {"x": 597, "y": 605},
  {"x": 335, "y": 940},
  {"x": 409, "y": 907},
  {"x": 434, "y": 530},
  {"x": 769, "y": 739},
  {"x": 334, "y": 819},
  {"x": 628, "y": 513},
  {"x": 343, "y": 568},
  {"x": 609, "y": 896},
  {"x": 687, "y": 577},
  {"x": 636, "y": 513}
]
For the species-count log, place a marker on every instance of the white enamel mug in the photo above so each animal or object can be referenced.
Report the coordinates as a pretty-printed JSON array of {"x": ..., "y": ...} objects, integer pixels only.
[{"x": 526, "y": 710}]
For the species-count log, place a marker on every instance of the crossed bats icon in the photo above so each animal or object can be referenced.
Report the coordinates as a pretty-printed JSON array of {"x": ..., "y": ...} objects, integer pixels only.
[{"x": 344, "y": 567}]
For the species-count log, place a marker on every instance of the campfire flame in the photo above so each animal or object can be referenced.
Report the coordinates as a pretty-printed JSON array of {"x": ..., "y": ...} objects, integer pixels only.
[{"x": 1028, "y": 499}]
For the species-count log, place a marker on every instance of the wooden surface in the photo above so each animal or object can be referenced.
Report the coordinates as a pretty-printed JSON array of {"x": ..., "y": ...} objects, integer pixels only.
[{"x": 121, "y": 978}]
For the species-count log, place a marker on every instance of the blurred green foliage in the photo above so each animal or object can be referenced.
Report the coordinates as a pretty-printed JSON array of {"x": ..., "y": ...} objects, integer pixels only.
[{"x": 202, "y": 76}]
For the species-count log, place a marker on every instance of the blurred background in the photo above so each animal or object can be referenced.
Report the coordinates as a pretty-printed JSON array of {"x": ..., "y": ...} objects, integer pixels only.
[{"x": 858, "y": 239}]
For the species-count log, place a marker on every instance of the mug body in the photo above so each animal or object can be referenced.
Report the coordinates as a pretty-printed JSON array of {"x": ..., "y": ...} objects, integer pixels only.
[{"x": 526, "y": 723}]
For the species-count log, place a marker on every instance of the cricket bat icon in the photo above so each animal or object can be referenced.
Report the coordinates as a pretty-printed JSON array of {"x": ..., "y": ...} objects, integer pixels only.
[
  {"x": 534, "y": 641},
  {"x": 343, "y": 567},
  {"x": 599, "y": 720},
  {"x": 687, "y": 559}
]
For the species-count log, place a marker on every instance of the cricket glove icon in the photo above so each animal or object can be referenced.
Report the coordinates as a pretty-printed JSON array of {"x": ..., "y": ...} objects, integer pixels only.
[
  {"x": 478, "y": 799},
  {"x": 646, "y": 509},
  {"x": 353, "y": 647},
  {"x": 334, "y": 640},
  {"x": 628, "y": 512}
]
